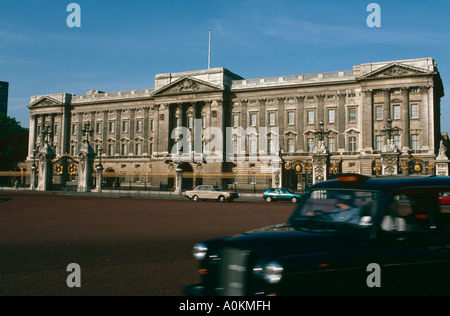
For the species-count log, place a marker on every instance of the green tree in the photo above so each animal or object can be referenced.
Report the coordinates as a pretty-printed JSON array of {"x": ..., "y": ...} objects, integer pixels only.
[{"x": 13, "y": 143}]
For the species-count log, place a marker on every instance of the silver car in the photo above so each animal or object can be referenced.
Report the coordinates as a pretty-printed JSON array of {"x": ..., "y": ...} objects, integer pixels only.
[{"x": 210, "y": 192}]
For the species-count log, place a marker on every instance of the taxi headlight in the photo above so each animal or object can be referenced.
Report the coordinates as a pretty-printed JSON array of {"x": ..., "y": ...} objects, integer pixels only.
[
  {"x": 199, "y": 251},
  {"x": 273, "y": 272}
]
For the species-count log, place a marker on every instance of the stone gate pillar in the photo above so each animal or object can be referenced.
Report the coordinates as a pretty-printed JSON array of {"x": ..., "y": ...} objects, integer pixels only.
[
  {"x": 179, "y": 181},
  {"x": 442, "y": 161},
  {"x": 389, "y": 159},
  {"x": 85, "y": 167},
  {"x": 277, "y": 170},
  {"x": 45, "y": 166},
  {"x": 321, "y": 160}
]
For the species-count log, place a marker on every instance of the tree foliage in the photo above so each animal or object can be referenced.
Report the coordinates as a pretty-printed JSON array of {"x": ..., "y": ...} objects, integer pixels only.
[{"x": 13, "y": 143}]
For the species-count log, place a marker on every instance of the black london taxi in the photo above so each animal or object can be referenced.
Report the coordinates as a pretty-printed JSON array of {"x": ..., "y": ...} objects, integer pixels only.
[{"x": 355, "y": 235}]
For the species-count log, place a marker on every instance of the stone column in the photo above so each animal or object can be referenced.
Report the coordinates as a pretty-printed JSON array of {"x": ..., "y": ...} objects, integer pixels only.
[
  {"x": 146, "y": 129},
  {"x": 280, "y": 122},
  {"x": 341, "y": 122},
  {"x": 320, "y": 108},
  {"x": 166, "y": 116},
  {"x": 118, "y": 129},
  {"x": 387, "y": 107},
  {"x": 300, "y": 122},
  {"x": 66, "y": 119},
  {"x": 105, "y": 131},
  {"x": 32, "y": 135},
  {"x": 426, "y": 134},
  {"x": 80, "y": 131},
  {"x": 132, "y": 148},
  {"x": 405, "y": 121},
  {"x": 367, "y": 121}
]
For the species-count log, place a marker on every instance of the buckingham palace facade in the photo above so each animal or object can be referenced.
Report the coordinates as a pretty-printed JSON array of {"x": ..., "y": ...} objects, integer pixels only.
[{"x": 379, "y": 118}]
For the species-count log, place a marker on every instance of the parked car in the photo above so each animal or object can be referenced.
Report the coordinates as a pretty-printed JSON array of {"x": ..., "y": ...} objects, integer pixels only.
[
  {"x": 444, "y": 198},
  {"x": 353, "y": 235},
  {"x": 211, "y": 192},
  {"x": 280, "y": 194}
]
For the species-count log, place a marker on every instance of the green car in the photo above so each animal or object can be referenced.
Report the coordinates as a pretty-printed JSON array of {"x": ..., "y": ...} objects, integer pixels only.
[{"x": 280, "y": 194}]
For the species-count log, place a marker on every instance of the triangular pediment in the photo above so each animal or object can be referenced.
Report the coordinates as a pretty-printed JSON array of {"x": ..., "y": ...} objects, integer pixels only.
[
  {"x": 44, "y": 102},
  {"x": 395, "y": 70},
  {"x": 187, "y": 85}
]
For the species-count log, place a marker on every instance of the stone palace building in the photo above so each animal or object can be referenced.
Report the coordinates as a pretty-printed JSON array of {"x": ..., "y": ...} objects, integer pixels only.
[{"x": 379, "y": 118}]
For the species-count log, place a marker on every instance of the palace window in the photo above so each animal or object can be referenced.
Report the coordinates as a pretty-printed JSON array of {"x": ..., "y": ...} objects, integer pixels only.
[
  {"x": 98, "y": 127},
  {"x": 138, "y": 149},
  {"x": 252, "y": 119},
  {"x": 352, "y": 143},
  {"x": 290, "y": 145},
  {"x": 396, "y": 112},
  {"x": 111, "y": 127},
  {"x": 414, "y": 111},
  {"x": 74, "y": 129},
  {"x": 379, "y": 142},
  {"x": 331, "y": 115},
  {"x": 138, "y": 126},
  {"x": 271, "y": 146},
  {"x": 124, "y": 149},
  {"x": 152, "y": 125},
  {"x": 310, "y": 117},
  {"x": 398, "y": 141},
  {"x": 415, "y": 145},
  {"x": 310, "y": 145},
  {"x": 271, "y": 118},
  {"x": 111, "y": 149},
  {"x": 125, "y": 126},
  {"x": 352, "y": 115},
  {"x": 291, "y": 118},
  {"x": 331, "y": 144},
  {"x": 378, "y": 113},
  {"x": 235, "y": 120},
  {"x": 253, "y": 147}
]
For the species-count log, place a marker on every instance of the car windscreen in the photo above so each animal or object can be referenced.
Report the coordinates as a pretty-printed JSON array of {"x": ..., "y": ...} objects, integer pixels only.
[{"x": 354, "y": 207}]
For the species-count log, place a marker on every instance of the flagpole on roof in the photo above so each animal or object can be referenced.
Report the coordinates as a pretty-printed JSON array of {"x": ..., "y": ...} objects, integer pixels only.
[{"x": 209, "y": 50}]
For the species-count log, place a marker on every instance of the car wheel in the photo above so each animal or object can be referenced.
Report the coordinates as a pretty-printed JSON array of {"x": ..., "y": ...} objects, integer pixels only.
[
  {"x": 268, "y": 199},
  {"x": 195, "y": 198},
  {"x": 294, "y": 199},
  {"x": 221, "y": 198}
]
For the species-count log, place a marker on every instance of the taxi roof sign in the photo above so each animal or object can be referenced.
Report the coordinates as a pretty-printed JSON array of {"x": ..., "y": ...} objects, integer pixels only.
[{"x": 352, "y": 178}]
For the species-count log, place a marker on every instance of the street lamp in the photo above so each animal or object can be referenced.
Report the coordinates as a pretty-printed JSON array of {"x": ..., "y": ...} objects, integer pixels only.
[
  {"x": 320, "y": 134},
  {"x": 87, "y": 131}
]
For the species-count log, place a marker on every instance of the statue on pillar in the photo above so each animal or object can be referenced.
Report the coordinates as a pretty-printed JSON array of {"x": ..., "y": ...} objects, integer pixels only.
[
  {"x": 45, "y": 166},
  {"x": 321, "y": 156}
]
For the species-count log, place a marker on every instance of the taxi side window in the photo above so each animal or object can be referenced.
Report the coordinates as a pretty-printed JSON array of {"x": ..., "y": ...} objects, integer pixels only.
[{"x": 409, "y": 212}]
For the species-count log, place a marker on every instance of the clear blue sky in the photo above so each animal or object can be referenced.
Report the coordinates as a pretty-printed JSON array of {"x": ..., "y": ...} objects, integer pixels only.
[{"x": 122, "y": 45}]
